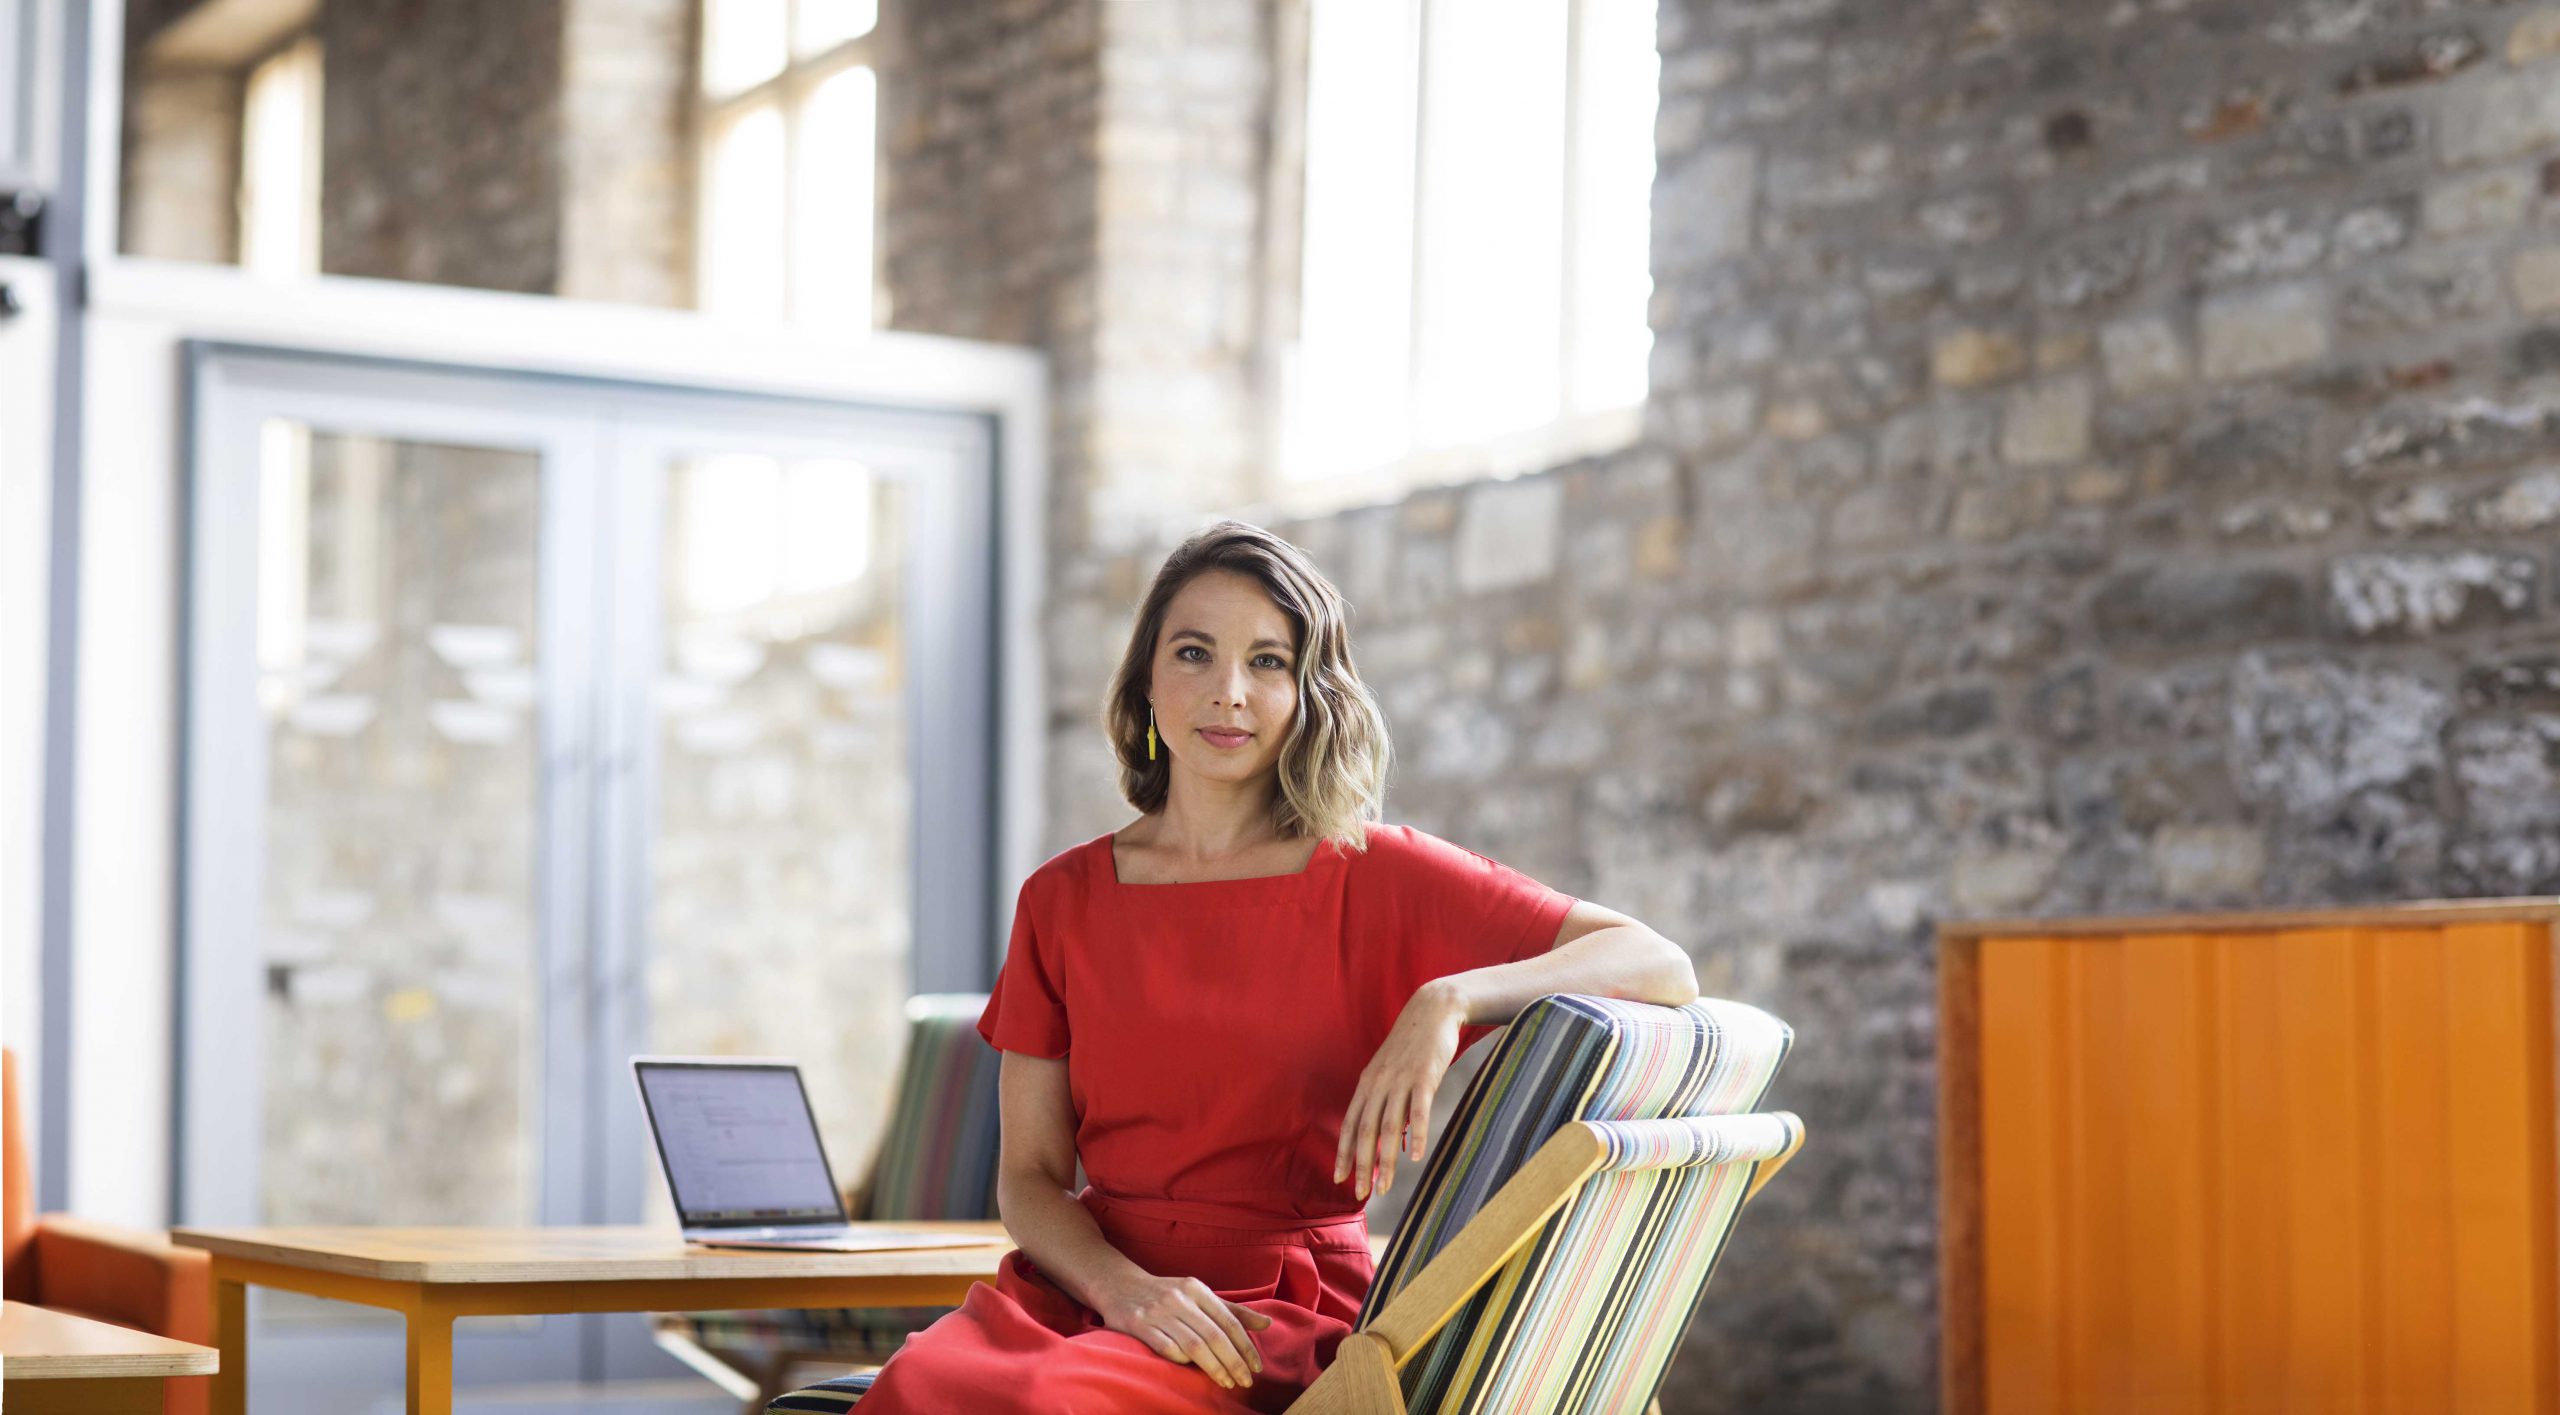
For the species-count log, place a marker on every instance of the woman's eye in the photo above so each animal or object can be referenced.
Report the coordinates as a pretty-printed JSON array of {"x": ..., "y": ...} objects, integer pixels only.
[
  {"x": 1271, "y": 660},
  {"x": 1187, "y": 650}
]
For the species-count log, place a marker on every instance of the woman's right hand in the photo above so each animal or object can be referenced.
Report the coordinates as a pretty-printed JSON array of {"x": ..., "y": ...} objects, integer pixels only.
[{"x": 1183, "y": 1320}]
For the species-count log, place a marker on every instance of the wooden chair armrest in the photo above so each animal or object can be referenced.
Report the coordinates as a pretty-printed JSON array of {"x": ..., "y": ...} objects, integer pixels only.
[{"x": 1471, "y": 1258}]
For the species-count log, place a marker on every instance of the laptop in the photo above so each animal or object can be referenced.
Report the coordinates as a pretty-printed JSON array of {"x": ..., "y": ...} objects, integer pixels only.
[{"x": 738, "y": 1144}]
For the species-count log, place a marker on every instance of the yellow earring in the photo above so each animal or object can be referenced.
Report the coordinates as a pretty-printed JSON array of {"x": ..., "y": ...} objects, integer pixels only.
[{"x": 1151, "y": 732}]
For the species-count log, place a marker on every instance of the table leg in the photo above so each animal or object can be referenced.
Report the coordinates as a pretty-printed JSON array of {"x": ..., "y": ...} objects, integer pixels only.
[
  {"x": 430, "y": 1358},
  {"x": 231, "y": 1338}
]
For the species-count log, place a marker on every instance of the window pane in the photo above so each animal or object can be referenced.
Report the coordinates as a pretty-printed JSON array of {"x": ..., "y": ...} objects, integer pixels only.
[
  {"x": 1613, "y": 204},
  {"x": 824, "y": 24},
  {"x": 831, "y": 275},
  {"x": 744, "y": 43},
  {"x": 724, "y": 542},
  {"x": 1492, "y": 219},
  {"x": 826, "y": 530},
  {"x": 1350, "y": 378},
  {"x": 280, "y": 164},
  {"x": 743, "y": 246},
  {"x": 781, "y": 869},
  {"x": 398, "y": 660}
]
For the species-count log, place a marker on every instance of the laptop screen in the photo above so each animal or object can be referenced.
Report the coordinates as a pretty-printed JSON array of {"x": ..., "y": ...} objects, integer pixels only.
[{"x": 739, "y": 1143}]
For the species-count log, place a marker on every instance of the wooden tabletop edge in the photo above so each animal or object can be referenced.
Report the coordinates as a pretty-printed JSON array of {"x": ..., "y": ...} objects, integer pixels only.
[{"x": 2416, "y": 912}]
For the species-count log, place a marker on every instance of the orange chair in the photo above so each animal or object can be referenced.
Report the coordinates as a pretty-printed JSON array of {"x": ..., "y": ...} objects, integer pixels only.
[{"x": 97, "y": 1270}]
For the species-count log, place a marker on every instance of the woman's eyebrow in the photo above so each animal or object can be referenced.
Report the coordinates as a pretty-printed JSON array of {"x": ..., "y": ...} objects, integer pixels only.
[{"x": 1213, "y": 643}]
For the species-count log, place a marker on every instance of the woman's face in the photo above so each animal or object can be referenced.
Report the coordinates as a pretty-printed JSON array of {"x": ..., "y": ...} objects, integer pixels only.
[{"x": 1225, "y": 687}]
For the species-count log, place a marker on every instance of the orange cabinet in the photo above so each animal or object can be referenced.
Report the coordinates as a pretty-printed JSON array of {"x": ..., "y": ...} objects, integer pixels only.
[{"x": 2251, "y": 1163}]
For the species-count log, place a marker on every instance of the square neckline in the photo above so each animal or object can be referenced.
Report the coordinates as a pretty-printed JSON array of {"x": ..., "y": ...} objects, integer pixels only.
[{"x": 1111, "y": 868}]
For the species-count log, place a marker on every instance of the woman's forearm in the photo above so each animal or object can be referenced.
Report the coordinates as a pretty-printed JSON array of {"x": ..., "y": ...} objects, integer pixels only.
[
  {"x": 1060, "y": 1237},
  {"x": 1625, "y": 961}
]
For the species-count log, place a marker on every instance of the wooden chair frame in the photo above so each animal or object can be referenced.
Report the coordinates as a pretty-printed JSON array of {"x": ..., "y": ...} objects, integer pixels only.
[{"x": 1362, "y": 1379}]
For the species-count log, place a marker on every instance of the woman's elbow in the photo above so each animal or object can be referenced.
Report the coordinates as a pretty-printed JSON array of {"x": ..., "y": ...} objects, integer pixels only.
[{"x": 1678, "y": 982}]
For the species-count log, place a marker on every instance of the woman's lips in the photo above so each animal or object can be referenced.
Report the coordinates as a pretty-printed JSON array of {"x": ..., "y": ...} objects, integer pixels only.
[{"x": 1217, "y": 737}]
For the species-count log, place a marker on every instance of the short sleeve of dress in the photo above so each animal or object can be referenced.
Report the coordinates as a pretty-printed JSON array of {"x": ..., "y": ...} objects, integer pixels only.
[
  {"x": 1460, "y": 910},
  {"x": 1027, "y": 1010}
]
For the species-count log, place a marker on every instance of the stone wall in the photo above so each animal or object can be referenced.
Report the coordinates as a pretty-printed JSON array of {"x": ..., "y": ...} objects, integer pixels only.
[
  {"x": 559, "y": 158},
  {"x": 180, "y": 176},
  {"x": 989, "y": 111},
  {"x": 543, "y": 147},
  {"x": 1088, "y": 179},
  {"x": 2100, "y": 457},
  {"x": 626, "y": 151},
  {"x": 440, "y": 143}
]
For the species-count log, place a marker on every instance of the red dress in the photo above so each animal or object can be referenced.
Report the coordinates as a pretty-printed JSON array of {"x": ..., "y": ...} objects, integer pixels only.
[{"x": 1213, "y": 1033}]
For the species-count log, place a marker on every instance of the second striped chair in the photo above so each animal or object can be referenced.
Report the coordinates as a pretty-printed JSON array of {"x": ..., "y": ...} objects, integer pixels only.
[{"x": 937, "y": 1160}]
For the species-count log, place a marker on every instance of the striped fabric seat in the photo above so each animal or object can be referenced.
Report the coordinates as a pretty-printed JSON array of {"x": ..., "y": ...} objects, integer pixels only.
[
  {"x": 937, "y": 1160},
  {"x": 1566, "y": 1222}
]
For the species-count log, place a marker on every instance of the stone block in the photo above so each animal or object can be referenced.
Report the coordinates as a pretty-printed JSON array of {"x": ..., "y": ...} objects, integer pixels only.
[
  {"x": 2482, "y": 201},
  {"x": 1967, "y": 358},
  {"x": 2528, "y": 680},
  {"x": 2413, "y": 595},
  {"x": 2526, "y": 504},
  {"x": 2535, "y": 38},
  {"x": 2263, "y": 331},
  {"x": 1992, "y": 882},
  {"x": 2372, "y": 229},
  {"x": 2424, "y": 60},
  {"x": 2307, "y": 736},
  {"x": 2209, "y": 863},
  {"x": 2048, "y": 422},
  {"x": 1704, "y": 207},
  {"x": 2417, "y": 296},
  {"x": 2142, "y": 355},
  {"x": 2492, "y": 120},
  {"x": 1509, "y": 534},
  {"x": 2462, "y": 433},
  {"x": 2259, "y": 245},
  {"x": 2193, "y": 606},
  {"x": 2092, "y": 271},
  {"x": 2535, "y": 276},
  {"x": 2506, "y": 772}
]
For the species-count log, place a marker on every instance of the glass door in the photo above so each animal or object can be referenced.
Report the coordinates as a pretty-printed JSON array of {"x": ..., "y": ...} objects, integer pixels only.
[
  {"x": 392, "y": 584},
  {"x": 536, "y": 723},
  {"x": 800, "y": 810}
]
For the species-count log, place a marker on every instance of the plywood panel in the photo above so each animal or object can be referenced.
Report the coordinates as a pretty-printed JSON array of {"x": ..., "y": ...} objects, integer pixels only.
[
  {"x": 2022, "y": 1287},
  {"x": 2171, "y": 1114},
  {"x": 2305, "y": 1164}
]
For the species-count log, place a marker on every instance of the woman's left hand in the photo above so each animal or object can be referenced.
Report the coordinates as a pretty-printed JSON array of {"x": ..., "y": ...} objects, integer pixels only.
[{"x": 1392, "y": 1106}]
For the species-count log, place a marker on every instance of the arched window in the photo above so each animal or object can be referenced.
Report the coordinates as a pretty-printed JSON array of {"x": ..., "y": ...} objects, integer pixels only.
[
  {"x": 789, "y": 117},
  {"x": 1474, "y": 267}
]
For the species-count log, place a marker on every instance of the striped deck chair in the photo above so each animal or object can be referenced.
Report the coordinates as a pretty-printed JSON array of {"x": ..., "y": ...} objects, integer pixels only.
[
  {"x": 1565, "y": 1224},
  {"x": 937, "y": 1160}
]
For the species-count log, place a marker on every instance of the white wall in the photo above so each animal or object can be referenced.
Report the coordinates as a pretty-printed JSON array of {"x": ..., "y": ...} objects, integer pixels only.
[
  {"x": 26, "y": 506},
  {"x": 126, "y": 771}
]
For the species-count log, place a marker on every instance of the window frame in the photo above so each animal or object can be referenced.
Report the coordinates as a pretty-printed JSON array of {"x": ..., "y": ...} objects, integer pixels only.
[
  {"x": 789, "y": 92},
  {"x": 32, "y": 51},
  {"x": 1574, "y": 434}
]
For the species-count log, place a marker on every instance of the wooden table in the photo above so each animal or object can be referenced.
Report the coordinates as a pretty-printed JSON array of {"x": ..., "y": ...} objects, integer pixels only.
[
  {"x": 433, "y": 1275},
  {"x": 53, "y": 1361}
]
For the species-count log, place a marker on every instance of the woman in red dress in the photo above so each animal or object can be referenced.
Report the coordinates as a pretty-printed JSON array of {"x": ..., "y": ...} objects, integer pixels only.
[{"x": 1234, "y": 1012}]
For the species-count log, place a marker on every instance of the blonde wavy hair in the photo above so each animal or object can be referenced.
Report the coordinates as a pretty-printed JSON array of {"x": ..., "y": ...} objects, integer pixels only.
[{"x": 1333, "y": 765}]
